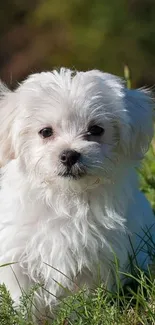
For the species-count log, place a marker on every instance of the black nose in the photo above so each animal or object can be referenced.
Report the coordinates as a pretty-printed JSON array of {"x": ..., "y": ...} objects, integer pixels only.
[{"x": 69, "y": 157}]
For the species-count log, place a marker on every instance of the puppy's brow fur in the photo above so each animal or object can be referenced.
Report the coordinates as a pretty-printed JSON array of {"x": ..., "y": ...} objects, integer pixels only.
[{"x": 78, "y": 222}]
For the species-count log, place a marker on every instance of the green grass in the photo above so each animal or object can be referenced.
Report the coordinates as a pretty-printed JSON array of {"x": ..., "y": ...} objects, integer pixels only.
[
  {"x": 133, "y": 305},
  {"x": 147, "y": 176}
]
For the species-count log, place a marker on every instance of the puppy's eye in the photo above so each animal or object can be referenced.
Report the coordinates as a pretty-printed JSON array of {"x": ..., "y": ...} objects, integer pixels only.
[
  {"x": 95, "y": 130},
  {"x": 46, "y": 132}
]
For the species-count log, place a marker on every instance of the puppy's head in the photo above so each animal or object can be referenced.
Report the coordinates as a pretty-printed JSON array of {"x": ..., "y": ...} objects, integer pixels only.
[{"x": 72, "y": 126}]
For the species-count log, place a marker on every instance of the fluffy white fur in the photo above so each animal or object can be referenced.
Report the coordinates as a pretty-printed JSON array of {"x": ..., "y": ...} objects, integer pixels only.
[{"x": 50, "y": 223}]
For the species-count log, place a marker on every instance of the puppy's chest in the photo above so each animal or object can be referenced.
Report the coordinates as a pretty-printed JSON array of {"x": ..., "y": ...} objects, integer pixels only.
[
  {"x": 69, "y": 230},
  {"x": 70, "y": 237}
]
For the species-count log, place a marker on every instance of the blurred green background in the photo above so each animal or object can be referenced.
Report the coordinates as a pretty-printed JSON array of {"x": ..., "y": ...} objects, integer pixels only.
[{"x": 83, "y": 34}]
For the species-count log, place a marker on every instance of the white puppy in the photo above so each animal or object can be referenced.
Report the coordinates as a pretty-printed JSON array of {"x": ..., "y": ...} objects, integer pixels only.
[{"x": 69, "y": 198}]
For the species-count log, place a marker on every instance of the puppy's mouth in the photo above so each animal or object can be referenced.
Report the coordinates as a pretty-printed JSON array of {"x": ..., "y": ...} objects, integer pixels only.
[{"x": 73, "y": 173}]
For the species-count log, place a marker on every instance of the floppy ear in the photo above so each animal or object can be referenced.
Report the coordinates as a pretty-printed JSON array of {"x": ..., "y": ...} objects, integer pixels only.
[
  {"x": 139, "y": 108},
  {"x": 7, "y": 116},
  {"x": 135, "y": 118}
]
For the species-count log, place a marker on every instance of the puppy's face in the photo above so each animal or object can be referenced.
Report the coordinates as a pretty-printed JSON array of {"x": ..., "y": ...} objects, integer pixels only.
[{"x": 72, "y": 127}]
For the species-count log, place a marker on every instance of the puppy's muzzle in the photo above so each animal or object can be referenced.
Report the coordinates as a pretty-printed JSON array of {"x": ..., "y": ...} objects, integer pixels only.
[
  {"x": 69, "y": 158},
  {"x": 72, "y": 166}
]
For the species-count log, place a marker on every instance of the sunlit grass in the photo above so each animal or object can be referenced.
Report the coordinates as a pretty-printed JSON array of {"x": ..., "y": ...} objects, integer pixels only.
[{"x": 134, "y": 304}]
